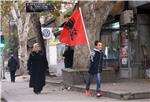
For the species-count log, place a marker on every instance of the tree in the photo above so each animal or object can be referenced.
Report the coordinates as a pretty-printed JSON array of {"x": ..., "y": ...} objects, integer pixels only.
[
  {"x": 94, "y": 15},
  {"x": 23, "y": 29},
  {"x": 18, "y": 12},
  {"x": 9, "y": 30},
  {"x": 37, "y": 30},
  {"x": 36, "y": 23}
]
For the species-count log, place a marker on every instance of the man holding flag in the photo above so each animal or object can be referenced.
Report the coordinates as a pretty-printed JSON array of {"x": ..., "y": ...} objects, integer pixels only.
[
  {"x": 95, "y": 68},
  {"x": 73, "y": 34}
]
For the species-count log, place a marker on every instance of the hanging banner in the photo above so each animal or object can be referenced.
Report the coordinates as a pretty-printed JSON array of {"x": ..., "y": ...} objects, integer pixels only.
[{"x": 50, "y": 33}]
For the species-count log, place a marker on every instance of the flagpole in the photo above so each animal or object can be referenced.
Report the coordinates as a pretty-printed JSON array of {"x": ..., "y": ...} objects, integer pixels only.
[{"x": 85, "y": 31}]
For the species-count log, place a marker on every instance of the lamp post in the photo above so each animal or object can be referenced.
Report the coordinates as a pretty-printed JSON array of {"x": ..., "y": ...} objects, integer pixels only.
[{"x": 12, "y": 23}]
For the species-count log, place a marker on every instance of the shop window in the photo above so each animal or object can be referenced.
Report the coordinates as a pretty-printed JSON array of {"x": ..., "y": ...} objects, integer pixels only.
[{"x": 111, "y": 43}]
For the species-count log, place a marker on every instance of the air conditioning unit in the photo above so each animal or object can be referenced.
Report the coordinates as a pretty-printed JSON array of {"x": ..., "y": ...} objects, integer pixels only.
[{"x": 126, "y": 17}]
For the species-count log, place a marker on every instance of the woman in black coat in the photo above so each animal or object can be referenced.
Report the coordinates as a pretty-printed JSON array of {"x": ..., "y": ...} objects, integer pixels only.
[
  {"x": 68, "y": 57},
  {"x": 37, "y": 65}
]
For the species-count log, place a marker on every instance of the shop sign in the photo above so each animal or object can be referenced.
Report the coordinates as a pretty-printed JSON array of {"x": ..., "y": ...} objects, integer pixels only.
[{"x": 38, "y": 7}]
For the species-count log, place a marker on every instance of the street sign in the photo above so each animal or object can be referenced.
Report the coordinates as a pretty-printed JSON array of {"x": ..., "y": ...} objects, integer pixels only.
[{"x": 38, "y": 7}]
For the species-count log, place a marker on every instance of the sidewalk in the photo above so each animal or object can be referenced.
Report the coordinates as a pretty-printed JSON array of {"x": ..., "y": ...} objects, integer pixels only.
[
  {"x": 20, "y": 92},
  {"x": 122, "y": 89},
  {"x": 136, "y": 89}
]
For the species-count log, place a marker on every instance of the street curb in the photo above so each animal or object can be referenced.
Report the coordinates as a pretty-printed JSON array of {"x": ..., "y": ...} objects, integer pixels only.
[
  {"x": 125, "y": 96},
  {"x": 54, "y": 83}
]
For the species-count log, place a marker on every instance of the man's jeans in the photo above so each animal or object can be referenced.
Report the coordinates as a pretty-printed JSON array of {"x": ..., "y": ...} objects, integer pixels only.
[{"x": 98, "y": 79}]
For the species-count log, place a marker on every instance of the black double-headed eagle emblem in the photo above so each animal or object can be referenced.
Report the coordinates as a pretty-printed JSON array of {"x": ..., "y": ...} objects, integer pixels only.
[{"x": 71, "y": 28}]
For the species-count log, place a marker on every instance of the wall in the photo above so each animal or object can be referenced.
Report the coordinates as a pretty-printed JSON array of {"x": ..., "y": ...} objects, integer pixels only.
[
  {"x": 55, "y": 59},
  {"x": 144, "y": 35},
  {"x": 144, "y": 30},
  {"x": 79, "y": 76}
]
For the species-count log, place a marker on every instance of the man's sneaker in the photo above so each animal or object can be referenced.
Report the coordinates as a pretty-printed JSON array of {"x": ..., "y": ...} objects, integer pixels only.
[
  {"x": 87, "y": 93},
  {"x": 98, "y": 95}
]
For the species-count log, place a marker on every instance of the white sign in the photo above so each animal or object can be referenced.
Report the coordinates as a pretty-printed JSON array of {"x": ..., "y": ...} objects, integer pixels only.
[
  {"x": 124, "y": 60},
  {"x": 52, "y": 55},
  {"x": 47, "y": 33}
]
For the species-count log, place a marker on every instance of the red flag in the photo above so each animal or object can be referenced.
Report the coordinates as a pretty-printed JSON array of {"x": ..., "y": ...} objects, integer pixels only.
[{"x": 74, "y": 32}]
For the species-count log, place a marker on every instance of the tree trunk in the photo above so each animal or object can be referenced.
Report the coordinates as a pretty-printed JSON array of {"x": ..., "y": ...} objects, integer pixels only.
[
  {"x": 37, "y": 30},
  {"x": 22, "y": 35},
  {"x": 94, "y": 15},
  {"x": 23, "y": 29}
]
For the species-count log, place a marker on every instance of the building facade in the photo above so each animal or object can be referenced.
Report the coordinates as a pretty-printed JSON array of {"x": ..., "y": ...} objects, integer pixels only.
[{"x": 126, "y": 38}]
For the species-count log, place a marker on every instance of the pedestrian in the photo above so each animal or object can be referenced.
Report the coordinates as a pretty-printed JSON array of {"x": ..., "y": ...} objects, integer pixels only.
[
  {"x": 37, "y": 66},
  {"x": 95, "y": 68},
  {"x": 68, "y": 57},
  {"x": 13, "y": 66}
]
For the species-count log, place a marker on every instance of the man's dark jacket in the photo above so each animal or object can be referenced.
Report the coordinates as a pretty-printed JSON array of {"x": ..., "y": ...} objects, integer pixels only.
[
  {"x": 12, "y": 64},
  {"x": 96, "y": 61}
]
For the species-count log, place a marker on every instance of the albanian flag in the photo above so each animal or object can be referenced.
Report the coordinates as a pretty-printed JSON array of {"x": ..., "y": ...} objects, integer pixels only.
[{"x": 74, "y": 32}]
